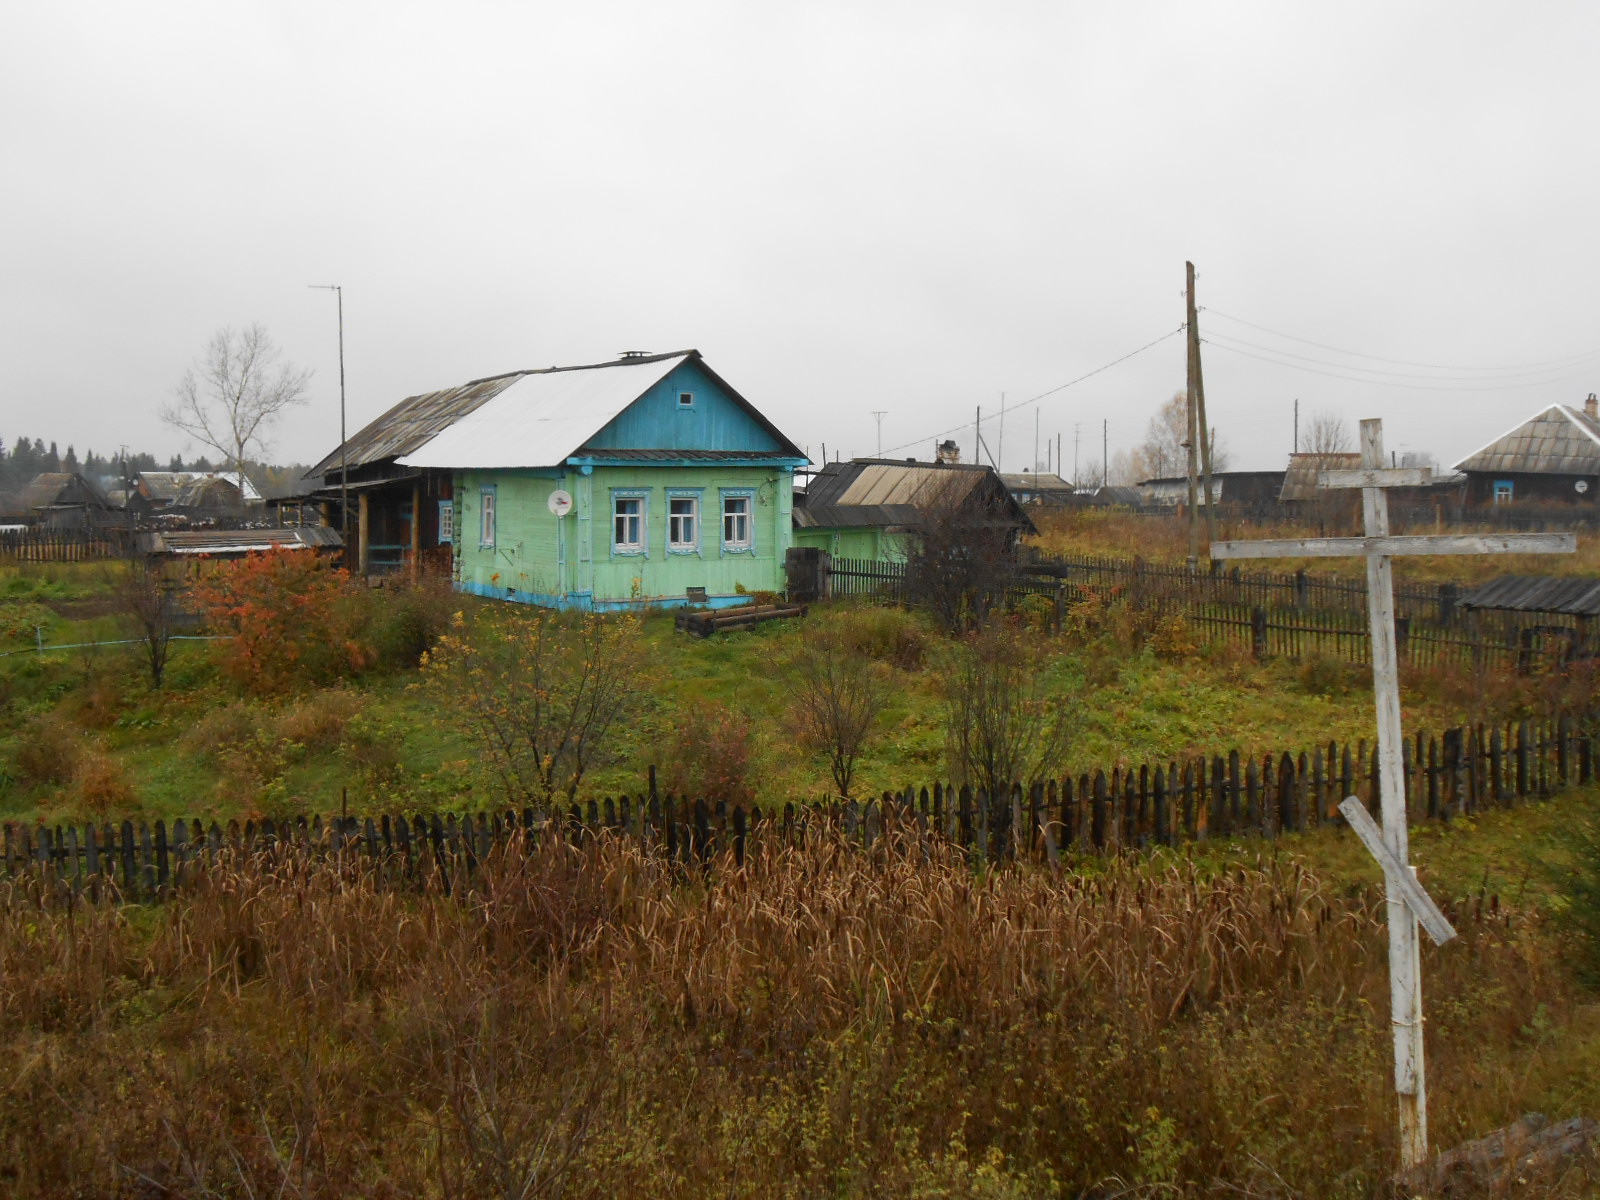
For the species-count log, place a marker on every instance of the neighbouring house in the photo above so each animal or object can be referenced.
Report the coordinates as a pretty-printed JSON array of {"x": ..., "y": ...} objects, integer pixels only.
[
  {"x": 1038, "y": 488},
  {"x": 192, "y": 493},
  {"x": 1553, "y": 456},
  {"x": 870, "y": 508},
  {"x": 1227, "y": 487},
  {"x": 641, "y": 481},
  {"x": 61, "y": 500}
]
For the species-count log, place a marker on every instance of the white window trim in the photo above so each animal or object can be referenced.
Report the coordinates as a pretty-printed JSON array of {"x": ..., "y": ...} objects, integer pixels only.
[
  {"x": 748, "y": 546},
  {"x": 487, "y": 516},
  {"x": 694, "y": 494},
  {"x": 447, "y": 522},
  {"x": 682, "y": 404},
  {"x": 627, "y": 550}
]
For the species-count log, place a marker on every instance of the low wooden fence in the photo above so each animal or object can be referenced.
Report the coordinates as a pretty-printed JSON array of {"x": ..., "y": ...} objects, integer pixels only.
[
  {"x": 61, "y": 545},
  {"x": 1465, "y": 771}
]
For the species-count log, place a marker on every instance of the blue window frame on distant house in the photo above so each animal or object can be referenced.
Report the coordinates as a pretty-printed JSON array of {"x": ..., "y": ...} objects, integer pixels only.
[
  {"x": 1502, "y": 491},
  {"x": 486, "y": 518},
  {"x": 630, "y": 517},
  {"x": 738, "y": 520},
  {"x": 447, "y": 521},
  {"x": 683, "y": 520}
]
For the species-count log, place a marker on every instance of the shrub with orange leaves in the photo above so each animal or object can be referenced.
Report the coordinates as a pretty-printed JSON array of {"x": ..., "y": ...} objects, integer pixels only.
[{"x": 295, "y": 620}]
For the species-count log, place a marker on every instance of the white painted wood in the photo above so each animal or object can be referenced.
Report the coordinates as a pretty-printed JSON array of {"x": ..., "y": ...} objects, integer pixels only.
[
  {"x": 1382, "y": 477},
  {"x": 1407, "y": 901},
  {"x": 1432, "y": 919},
  {"x": 1402, "y": 544}
]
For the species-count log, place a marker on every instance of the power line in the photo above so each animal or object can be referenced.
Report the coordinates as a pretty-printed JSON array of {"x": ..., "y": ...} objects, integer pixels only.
[
  {"x": 1035, "y": 399},
  {"x": 1379, "y": 370},
  {"x": 1422, "y": 387},
  {"x": 1399, "y": 362}
]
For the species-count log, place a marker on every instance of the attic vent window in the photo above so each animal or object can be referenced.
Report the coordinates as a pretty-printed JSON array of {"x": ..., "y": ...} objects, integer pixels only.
[{"x": 685, "y": 399}]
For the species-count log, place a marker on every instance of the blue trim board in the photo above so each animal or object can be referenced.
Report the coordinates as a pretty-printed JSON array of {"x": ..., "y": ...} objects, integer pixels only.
[{"x": 586, "y": 602}]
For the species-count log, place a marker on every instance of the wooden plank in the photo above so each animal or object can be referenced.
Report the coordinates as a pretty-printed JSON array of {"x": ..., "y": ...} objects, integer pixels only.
[
  {"x": 1375, "y": 477},
  {"x": 1401, "y": 544},
  {"x": 1400, "y": 876}
]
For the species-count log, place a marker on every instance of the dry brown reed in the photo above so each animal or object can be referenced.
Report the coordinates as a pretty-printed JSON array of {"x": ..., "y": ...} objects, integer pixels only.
[{"x": 591, "y": 1019}]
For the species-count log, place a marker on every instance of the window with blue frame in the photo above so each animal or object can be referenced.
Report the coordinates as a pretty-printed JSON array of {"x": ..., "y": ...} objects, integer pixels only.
[
  {"x": 486, "y": 518},
  {"x": 683, "y": 520},
  {"x": 447, "y": 521},
  {"x": 738, "y": 520},
  {"x": 629, "y": 521},
  {"x": 1502, "y": 491}
]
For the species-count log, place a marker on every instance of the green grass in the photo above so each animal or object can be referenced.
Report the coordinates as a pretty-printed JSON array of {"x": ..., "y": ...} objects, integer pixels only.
[{"x": 199, "y": 748}]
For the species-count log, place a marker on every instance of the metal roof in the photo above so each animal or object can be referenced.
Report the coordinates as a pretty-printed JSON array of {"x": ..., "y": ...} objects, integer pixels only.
[
  {"x": 410, "y": 424},
  {"x": 834, "y": 516},
  {"x": 1538, "y": 593},
  {"x": 541, "y": 418},
  {"x": 1300, "y": 480},
  {"x": 1561, "y": 440},
  {"x": 192, "y": 542},
  {"x": 893, "y": 489}
]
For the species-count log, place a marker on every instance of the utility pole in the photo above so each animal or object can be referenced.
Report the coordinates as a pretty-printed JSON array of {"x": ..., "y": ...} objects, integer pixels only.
[
  {"x": 1077, "y": 436},
  {"x": 1036, "y": 441},
  {"x": 1000, "y": 451},
  {"x": 1200, "y": 415},
  {"x": 1297, "y": 425},
  {"x": 1105, "y": 453},
  {"x": 880, "y": 415},
  {"x": 344, "y": 490},
  {"x": 977, "y": 435}
]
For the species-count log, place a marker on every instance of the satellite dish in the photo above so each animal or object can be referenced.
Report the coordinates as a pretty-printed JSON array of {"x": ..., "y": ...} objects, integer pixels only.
[
  {"x": 1581, "y": 486},
  {"x": 560, "y": 502}
]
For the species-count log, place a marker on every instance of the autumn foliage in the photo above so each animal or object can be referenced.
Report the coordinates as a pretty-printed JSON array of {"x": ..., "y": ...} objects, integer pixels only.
[{"x": 294, "y": 621}]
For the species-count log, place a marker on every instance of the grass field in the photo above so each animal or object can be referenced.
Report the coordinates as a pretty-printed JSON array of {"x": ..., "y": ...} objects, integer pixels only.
[{"x": 86, "y": 738}]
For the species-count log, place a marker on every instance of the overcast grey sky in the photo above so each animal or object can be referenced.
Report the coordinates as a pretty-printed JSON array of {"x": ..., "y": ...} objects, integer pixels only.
[{"x": 847, "y": 207}]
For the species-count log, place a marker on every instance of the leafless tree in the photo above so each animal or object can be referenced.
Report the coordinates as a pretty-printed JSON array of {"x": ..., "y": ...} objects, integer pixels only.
[
  {"x": 1327, "y": 433},
  {"x": 234, "y": 393},
  {"x": 1164, "y": 453},
  {"x": 147, "y": 596},
  {"x": 1001, "y": 724},
  {"x": 962, "y": 551},
  {"x": 839, "y": 696}
]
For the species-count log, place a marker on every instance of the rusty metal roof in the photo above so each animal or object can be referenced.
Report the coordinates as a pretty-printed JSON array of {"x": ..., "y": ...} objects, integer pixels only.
[
  {"x": 1300, "y": 480},
  {"x": 1561, "y": 440},
  {"x": 888, "y": 490},
  {"x": 1538, "y": 593}
]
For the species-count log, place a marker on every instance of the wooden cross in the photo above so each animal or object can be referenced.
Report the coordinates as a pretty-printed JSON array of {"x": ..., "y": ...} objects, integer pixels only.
[{"x": 1408, "y": 902}]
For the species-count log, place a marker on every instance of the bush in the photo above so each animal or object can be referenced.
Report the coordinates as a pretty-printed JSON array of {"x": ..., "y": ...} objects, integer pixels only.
[
  {"x": 407, "y": 622},
  {"x": 888, "y": 635},
  {"x": 711, "y": 757},
  {"x": 48, "y": 751},
  {"x": 294, "y": 621},
  {"x": 319, "y": 721},
  {"x": 102, "y": 786}
]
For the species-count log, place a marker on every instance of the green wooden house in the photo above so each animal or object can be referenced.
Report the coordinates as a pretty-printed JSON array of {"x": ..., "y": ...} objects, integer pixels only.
[{"x": 643, "y": 481}]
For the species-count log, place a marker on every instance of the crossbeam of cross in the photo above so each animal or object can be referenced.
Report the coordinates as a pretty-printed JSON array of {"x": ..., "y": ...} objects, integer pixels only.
[{"x": 1408, "y": 902}]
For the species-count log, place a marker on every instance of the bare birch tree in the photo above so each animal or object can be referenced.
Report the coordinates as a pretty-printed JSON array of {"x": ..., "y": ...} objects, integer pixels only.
[{"x": 235, "y": 393}]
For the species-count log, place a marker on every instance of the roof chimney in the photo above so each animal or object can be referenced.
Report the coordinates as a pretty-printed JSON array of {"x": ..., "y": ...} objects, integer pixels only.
[
  {"x": 1591, "y": 407},
  {"x": 634, "y": 354}
]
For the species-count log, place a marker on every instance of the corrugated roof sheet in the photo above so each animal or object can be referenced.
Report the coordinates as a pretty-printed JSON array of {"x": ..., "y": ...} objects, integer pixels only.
[
  {"x": 1538, "y": 593},
  {"x": 238, "y": 541},
  {"x": 1559, "y": 441},
  {"x": 832, "y": 516},
  {"x": 899, "y": 488},
  {"x": 413, "y": 422},
  {"x": 1300, "y": 480}
]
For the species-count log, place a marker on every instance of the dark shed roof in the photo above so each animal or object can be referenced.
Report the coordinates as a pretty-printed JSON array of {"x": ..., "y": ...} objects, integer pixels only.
[{"x": 1538, "y": 593}]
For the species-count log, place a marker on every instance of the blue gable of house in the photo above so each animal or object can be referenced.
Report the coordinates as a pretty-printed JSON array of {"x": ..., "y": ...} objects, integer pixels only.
[{"x": 660, "y": 420}]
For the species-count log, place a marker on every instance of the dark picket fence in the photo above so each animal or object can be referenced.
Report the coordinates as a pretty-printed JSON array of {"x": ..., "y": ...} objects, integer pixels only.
[
  {"x": 1467, "y": 770},
  {"x": 1277, "y": 614}
]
